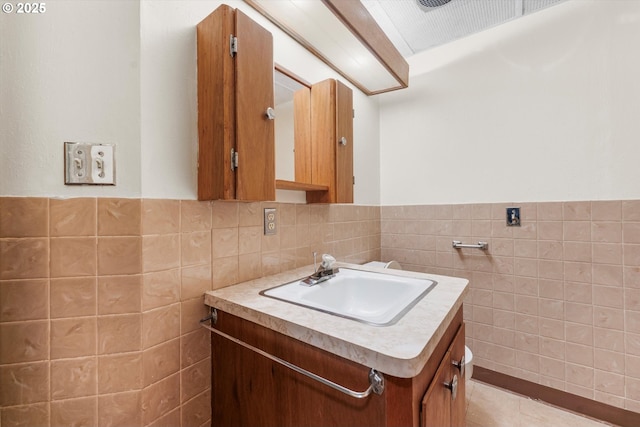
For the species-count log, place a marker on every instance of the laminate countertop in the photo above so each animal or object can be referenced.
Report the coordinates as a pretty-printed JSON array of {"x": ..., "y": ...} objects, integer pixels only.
[{"x": 400, "y": 350}]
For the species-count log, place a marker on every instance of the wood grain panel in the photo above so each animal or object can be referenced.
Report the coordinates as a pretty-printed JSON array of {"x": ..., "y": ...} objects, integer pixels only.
[
  {"x": 255, "y": 137},
  {"x": 459, "y": 404},
  {"x": 251, "y": 390},
  {"x": 344, "y": 153},
  {"x": 216, "y": 105},
  {"x": 323, "y": 140},
  {"x": 302, "y": 135},
  {"x": 436, "y": 407}
]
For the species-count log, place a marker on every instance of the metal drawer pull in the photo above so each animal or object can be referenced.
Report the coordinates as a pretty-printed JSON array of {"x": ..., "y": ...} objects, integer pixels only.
[
  {"x": 457, "y": 244},
  {"x": 376, "y": 379},
  {"x": 460, "y": 365},
  {"x": 453, "y": 386}
]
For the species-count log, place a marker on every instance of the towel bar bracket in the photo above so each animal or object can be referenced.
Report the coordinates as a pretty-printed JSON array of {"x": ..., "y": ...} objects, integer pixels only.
[{"x": 376, "y": 379}]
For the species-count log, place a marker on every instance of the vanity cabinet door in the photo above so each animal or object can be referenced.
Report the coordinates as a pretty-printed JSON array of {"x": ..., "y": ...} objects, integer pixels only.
[
  {"x": 234, "y": 92},
  {"x": 444, "y": 403}
]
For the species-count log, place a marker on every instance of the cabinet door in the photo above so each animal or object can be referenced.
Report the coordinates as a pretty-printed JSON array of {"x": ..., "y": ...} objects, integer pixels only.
[
  {"x": 344, "y": 148},
  {"x": 216, "y": 105},
  {"x": 255, "y": 140},
  {"x": 331, "y": 161},
  {"x": 436, "y": 403},
  {"x": 459, "y": 404}
]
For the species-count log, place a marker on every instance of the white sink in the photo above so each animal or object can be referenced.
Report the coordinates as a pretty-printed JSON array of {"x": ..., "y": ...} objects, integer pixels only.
[{"x": 374, "y": 298}]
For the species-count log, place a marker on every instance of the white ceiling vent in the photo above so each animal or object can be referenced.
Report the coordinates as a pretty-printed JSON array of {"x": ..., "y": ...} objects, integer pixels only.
[{"x": 417, "y": 25}]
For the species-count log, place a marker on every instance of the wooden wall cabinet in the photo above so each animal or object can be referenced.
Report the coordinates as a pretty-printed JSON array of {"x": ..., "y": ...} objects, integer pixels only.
[
  {"x": 235, "y": 89},
  {"x": 331, "y": 142},
  {"x": 251, "y": 390}
]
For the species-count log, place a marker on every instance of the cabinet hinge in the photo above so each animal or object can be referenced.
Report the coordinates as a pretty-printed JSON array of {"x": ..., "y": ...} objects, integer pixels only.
[
  {"x": 234, "y": 159},
  {"x": 233, "y": 45},
  {"x": 354, "y": 180}
]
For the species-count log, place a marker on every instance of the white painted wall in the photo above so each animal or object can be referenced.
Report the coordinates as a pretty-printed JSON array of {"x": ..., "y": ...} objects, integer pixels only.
[
  {"x": 543, "y": 108},
  {"x": 69, "y": 74},
  {"x": 124, "y": 72}
]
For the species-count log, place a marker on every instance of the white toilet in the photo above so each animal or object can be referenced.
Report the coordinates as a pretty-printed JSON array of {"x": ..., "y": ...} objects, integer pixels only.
[{"x": 468, "y": 355}]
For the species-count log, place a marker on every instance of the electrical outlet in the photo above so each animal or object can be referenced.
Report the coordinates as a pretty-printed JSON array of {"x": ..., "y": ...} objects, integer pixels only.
[
  {"x": 513, "y": 217},
  {"x": 270, "y": 221}
]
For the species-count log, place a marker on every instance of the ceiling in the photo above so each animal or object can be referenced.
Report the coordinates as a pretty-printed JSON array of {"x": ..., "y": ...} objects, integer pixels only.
[{"x": 417, "y": 25}]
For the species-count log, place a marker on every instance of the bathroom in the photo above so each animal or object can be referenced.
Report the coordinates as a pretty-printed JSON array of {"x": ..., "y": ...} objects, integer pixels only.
[{"x": 104, "y": 284}]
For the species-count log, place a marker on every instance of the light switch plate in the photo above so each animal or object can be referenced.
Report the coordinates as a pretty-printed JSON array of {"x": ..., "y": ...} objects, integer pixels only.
[
  {"x": 270, "y": 220},
  {"x": 513, "y": 217},
  {"x": 89, "y": 163}
]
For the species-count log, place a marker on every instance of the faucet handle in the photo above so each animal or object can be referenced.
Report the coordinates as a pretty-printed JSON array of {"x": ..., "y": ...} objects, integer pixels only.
[{"x": 327, "y": 261}]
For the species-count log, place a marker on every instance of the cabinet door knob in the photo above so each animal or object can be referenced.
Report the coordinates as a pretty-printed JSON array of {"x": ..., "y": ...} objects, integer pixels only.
[
  {"x": 453, "y": 386},
  {"x": 343, "y": 141},
  {"x": 270, "y": 113},
  {"x": 459, "y": 365}
]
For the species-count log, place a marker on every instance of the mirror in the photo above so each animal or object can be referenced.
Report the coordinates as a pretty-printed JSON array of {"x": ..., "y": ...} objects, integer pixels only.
[{"x": 292, "y": 98}]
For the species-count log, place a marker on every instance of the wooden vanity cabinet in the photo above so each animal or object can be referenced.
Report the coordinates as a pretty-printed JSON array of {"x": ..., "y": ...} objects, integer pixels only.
[
  {"x": 249, "y": 389},
  {"x": 235, "y": 89}
]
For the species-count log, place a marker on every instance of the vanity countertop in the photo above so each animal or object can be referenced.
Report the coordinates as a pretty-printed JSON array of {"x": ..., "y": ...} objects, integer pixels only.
[{"x": 399, "y": 350}]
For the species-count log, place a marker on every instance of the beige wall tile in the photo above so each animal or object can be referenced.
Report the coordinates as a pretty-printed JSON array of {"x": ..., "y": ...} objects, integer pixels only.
[
  {"x": 74, "y": 378},
  {"x": 250, "y": 238},
  {"x": 118, "y": 217},
  {"x": 24, "y": 300},
  {"x": 224, "y": 214},
  {"x": 194, "y": 346},
  {"x": 120, "y": 409},
  {"x": 249, "y": 267},
  {"x": 195, "y": 248},
  {"x": 24, "y": 258},
  {"x": 120, "y": 372},
  {"x": 24, "y": 217},
  {"x": 606, "y": 253},
  {"x": 195, "y": 216},
  {"x": 160, "y": 216},
  {"x": 160, "y": 288},
  {"x": 195, "y": 281},
  {"x": 195, "y": 379},
  {"x": 250, "y": 214},
  {"x": 119, "y": 333},
  {"x": 119, "y": 255},
  {"x": 161, "y": 361},
  {"x": 73, "y": 337},
  {"x": 24, "y": 383},
  {"x": 224, "y": 242},
  {"x": 224, "y": 271},
  {"x": 171, "y": 418},
  {"x": 28, "y": 415},
  {"x": 191, "y": 312},
  {"x": 160, "y": 325},
  {"x": 631, "y": 210},
  {"x": 160, "y": 252},
  {"x": 24, "y": 341},
  {"x": 73, "y": 297},
  {"x": 160, "y": 398},
  {"x": 197, "y": 411},
  {"x": 606, "y": 232},
  {"x": 576, "y": 211},
  {"x": 75, "y": 412},
  {"x": 119, "y": 294},
  {"x": 73, "y": 256},
  {"x": 73, "y": 217},
  {"x": 606, "y": 210}
]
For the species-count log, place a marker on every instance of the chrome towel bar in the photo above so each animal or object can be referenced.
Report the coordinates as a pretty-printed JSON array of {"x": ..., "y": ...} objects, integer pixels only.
[
  {"x": 457, "y": 244},
  {"x": 376, "y": 379}
]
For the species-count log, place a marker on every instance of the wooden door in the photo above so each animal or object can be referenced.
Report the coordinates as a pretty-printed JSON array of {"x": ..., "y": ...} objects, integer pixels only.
[
  {"x": 436, "y": 404},
  {"x": 255, "y": 138},
  {"x": 344, "y": 147},
  {"x": 216, "y": 105},
  {"x": 459, "y": 404}
]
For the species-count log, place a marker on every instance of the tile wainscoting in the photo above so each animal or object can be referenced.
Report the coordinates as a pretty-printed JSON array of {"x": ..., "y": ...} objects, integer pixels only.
[
  {"x": 100, "y": 298},
  {"x": 555, "y": 301}
]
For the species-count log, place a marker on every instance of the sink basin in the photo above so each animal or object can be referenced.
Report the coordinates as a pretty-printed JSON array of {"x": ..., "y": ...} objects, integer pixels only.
[{"x": 374, "y": 298}]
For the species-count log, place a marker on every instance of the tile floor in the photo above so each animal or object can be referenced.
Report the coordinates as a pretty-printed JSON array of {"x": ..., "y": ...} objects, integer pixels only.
[{"x": 489, "y": 406}]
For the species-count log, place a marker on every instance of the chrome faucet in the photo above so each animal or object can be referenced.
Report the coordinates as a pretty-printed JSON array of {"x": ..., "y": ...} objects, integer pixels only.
[{"x": 322, "y": 273}]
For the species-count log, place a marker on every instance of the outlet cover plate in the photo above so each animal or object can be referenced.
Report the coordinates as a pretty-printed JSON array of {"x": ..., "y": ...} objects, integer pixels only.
[
  {"x": 89, "y": 163},
  {"x": 270, "y": 221}
]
